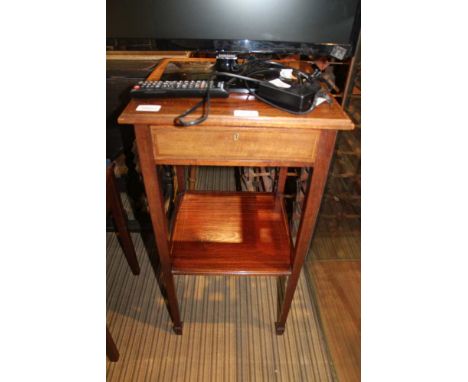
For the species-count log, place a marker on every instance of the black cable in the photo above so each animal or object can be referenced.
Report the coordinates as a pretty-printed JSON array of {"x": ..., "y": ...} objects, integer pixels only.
[
  {"x": 255, "y": 64},
  {"x": 180, "y": 122},
  {"x": 227, "y": 74},
  {"x": 252, "y": 73},
  {"x": 260, "y": 68}
]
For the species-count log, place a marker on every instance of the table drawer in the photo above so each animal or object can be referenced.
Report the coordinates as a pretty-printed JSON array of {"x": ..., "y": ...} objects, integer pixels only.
[{"x": 208, "y": 145}]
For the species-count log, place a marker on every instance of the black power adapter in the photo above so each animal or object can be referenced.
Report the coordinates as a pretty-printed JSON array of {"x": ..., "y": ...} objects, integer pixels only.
[{"x": 298, "y": 97}]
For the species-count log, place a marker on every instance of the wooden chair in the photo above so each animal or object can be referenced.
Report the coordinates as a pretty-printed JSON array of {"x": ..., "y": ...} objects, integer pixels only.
[{"x": 115, "y": 208}]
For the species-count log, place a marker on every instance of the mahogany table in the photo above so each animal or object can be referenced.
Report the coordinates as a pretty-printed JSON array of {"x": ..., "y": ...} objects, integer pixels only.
[{"x": 234, "y": 233}]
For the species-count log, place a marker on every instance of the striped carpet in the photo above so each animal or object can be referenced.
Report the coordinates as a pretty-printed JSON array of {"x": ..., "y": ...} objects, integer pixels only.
[{"x": 228, "y": 328}]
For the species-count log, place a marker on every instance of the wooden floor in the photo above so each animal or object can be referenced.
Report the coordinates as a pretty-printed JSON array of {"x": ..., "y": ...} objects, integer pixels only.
[
  {"x": 333, "y": 273},
  {"x": 343, "y": 243},
  {"x": 228, "y": 328},
  {"x": 338, "y": 290}
]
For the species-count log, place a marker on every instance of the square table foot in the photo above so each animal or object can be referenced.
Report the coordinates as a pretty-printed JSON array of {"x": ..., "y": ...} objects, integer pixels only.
[
  {"x": 279, "y": 328},
  {"x": 178, "y": 328}
]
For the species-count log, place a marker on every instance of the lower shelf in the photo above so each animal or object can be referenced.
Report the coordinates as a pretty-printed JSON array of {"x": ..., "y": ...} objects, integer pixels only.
[{"x": 231, "y": 233}]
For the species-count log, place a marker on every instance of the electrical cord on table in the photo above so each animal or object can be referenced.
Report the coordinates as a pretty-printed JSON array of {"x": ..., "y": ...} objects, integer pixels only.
[
  {"x": 179, "y": 121},
  {"x": 256, "y": 67},
  {"x": 205, "y": 102}
]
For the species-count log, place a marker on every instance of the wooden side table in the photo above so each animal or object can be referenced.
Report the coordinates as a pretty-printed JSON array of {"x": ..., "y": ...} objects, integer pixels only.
[{"x": 235, "y": 233}]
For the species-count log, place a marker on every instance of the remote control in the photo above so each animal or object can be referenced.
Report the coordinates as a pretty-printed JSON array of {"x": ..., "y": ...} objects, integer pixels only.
[{"x": 170, "y": 89}]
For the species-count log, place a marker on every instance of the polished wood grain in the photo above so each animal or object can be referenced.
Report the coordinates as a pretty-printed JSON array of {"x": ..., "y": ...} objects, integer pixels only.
[
  {"x": 308, "y": 220},
  {"x": 180, "y": 175},
  {"x": 325, "y": 116},
  {"x": 158, "y": 217},
  {"x": 231, "y": 233},
  {"x": 157, "y": 73},
  {"x": 244, "y": 144},
  {"x": 282, "y": 175}
]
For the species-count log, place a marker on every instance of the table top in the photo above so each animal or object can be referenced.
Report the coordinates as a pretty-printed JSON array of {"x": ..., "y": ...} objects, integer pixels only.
[{"x": 325, "y": 116}]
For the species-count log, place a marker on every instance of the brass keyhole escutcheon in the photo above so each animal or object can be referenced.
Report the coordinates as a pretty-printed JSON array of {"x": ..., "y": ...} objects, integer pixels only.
[{"x": 235, "y": 136}]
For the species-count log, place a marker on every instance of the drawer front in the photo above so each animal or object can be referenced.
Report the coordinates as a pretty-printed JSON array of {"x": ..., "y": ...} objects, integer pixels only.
[{"x": 207, "y": 145}]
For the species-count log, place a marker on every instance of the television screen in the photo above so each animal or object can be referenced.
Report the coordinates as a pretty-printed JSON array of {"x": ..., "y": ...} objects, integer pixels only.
[{"x": 197, "y": 24}]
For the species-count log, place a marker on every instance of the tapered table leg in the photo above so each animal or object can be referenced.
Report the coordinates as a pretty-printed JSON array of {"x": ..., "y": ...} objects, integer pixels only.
[
  {"x": 155, "y": 198},
  {"x": 311, "y": 208},
  {"x": 282, "y": 174}
]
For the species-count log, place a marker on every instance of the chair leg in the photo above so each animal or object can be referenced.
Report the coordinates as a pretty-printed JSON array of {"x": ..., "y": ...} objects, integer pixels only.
[
  {"x": 111, "y": 349},
  {"x": 117, "y": 212}
]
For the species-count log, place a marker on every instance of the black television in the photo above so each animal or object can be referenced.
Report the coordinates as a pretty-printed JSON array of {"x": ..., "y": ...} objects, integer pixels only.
[{"x": 309, "y": 27}]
